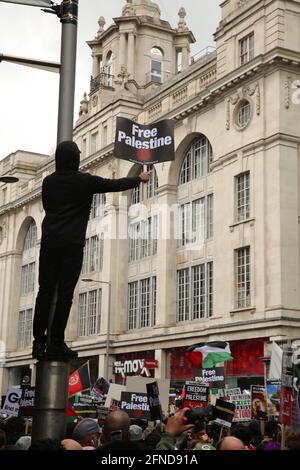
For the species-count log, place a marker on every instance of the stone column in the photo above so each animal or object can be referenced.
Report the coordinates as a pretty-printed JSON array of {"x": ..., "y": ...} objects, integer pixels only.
[
  {"x": 101, "y": 365},
  {"x": 96, "y": 69},
  {"x": 131, "y": 54},
  {"x": 166, "y": 256},
  {"x": 185, "y": 57},
  {"x": 122, "y": 50},
  {"x": 3, "y": 380},
  {"x": 162, "y": 371}
]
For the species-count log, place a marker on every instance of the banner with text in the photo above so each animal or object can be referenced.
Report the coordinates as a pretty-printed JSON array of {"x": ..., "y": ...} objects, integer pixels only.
[
  {"x": 136, "y": 405},
  {"x": 154, "y": 401},
  {"x": 27, "y": 401},
  {"x": 242, "y": 411},
  {"x": 142, "y": 144},
  {"x": 195, "y": 394}
]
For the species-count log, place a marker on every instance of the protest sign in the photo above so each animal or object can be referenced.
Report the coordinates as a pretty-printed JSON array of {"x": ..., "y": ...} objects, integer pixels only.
[
  {"x": 144, "y": 144},
  {"x": 286, "y": 400},
  {"x": 295, "y": 421},
  {"x": 242, "y": 411},
  {"x": 114, "y": 393},
  {"x": 273, "y": 395},
  {"x": 224, "y": 413},
  {"x": 259, "y": 405},
  {"x": 154, "y": 401},
  {"x": 136, "y": 405},
  {"x": 27, "y": 401},
  {"x": 138, "y": 384},
  {"x": 100, "y": 388},
  {"x": 287, "y": 367},
  {"x": 195, "y": 394},
  {"x": 11, "y": 405},
  {"x": 214, "y": 377}
]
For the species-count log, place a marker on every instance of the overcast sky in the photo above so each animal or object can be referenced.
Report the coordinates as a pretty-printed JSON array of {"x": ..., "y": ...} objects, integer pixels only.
[{"x": 29, "y": 97}]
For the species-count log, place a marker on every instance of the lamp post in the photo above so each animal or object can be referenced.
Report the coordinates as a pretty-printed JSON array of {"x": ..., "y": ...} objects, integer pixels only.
[{"x": 107, "y": 349}]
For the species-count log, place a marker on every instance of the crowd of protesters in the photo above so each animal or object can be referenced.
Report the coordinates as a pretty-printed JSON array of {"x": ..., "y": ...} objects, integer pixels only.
[{"x": 119, "y": 433}]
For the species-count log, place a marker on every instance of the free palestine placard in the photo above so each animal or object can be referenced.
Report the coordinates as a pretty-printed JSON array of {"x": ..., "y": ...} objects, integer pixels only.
[{"x": 141, "y": 144}]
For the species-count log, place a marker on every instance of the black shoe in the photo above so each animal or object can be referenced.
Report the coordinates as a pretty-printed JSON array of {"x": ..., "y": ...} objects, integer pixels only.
[
  {"x": 60, "y": 351},
  {"x": 38, "y": 350}
]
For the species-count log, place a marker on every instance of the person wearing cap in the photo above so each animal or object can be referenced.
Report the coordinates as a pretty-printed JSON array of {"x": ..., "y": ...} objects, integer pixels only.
[
  {"x": 87, "y": 434},
  {"x": 67, "y": 196},
  {"x": 135, "y": 433}
]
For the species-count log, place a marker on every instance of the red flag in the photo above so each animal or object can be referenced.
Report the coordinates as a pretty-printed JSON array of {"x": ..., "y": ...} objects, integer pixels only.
[
  {"x": 80, "y": 380},
  {"x": 70, "y": 411},
  {"x": 195, "y": 357}
]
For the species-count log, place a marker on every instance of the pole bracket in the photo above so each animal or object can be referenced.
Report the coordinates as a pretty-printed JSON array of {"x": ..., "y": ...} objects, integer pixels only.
[{"x": 67, "y": 11}]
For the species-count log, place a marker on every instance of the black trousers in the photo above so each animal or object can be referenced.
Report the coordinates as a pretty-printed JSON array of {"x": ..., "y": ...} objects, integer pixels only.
[{"x": 59, "y": 270}]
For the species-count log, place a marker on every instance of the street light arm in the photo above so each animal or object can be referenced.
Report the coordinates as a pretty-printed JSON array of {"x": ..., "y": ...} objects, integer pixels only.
[{"x": 35, "y": 63}]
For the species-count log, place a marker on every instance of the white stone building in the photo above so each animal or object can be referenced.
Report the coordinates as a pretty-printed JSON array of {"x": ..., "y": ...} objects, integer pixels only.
[{"x": 233, "y": 272}]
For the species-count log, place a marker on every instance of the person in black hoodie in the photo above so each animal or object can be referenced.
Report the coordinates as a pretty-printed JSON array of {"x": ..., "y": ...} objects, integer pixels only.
[{"x": 67, "y": 196}]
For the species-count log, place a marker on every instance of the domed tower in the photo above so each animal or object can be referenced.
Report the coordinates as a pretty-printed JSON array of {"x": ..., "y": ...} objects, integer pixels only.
[{"x": 139, "y": 49}]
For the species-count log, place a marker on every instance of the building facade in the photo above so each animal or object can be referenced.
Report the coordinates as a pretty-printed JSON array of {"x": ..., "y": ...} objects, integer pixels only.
[{"x": 209, "y": 248}]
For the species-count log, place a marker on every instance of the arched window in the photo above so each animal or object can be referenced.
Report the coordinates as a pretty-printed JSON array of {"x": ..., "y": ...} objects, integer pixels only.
[
  {"x": 31, "y": 236},
  {"x": 27, "y": 287},
  {"x": 156, "y": 65},
  {"x": 197, "y": 160}
]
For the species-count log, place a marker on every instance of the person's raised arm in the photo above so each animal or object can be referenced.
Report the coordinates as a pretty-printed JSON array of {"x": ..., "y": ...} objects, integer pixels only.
[{"x": 104, "y": 185}]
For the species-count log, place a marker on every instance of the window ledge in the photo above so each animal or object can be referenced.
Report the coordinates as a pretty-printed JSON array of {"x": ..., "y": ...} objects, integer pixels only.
[
  {"x": 241, "y": 310},
  {"x": 245, "y": 221}
]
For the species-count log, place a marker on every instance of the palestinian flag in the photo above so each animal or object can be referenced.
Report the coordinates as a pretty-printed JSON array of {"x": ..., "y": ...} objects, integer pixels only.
[
  {"x": 80, "y": 380},
  {"x": 206, "y": 355}
]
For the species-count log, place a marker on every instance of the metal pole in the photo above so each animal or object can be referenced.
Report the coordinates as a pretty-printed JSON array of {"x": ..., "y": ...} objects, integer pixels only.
[
  {"x": 51, "y": 398},
  {"x": 108, "y": 332},
  {"x": 49, "y": 413},
  {"x": 68, "y": 18}
]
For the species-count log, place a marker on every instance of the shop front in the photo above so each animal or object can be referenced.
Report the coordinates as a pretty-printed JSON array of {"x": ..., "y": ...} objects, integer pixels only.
[
  {"x": 139, "y": 364},
  {"x": 246, "y": 368}
]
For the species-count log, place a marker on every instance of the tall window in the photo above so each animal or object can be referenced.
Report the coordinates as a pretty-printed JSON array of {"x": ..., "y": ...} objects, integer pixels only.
[
  {"x": 143, "y": 192},
  {"x": 94, "y": 142},
  {"x": 195, "y": 292},
  {"x": 142, "y": 303},
  {"x": 196, "y": 221},
  {"x": 31, "y": 237},
  {"x": 25, "y": 329},
  {"x": 98, "y": 204},
  {"x": 84, "y": 147},
  {"x": 152, "y": 184},
  {"x": 196, "y": 161},
  {"x": 104, "y": 134},
  {"x": 242, "y": 188},
  {"x": 143, "y": 239},
  {"x": 93, "y": 254},
  {"x": 244, "y": 114},
  {"x": 27, "y": 278},
  {"x": 242, "y": 278},
  {"x": 247, "y": 48},
  {"x": 210, "y": 216},
  {"x": 156, "y": 65},
  {"x": 136, "y": 195},
  {"x": 89, "y": 313}
]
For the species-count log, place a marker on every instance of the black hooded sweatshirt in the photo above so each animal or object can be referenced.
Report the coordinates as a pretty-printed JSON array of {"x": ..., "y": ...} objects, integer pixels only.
[{"x": 67, "y": 196}]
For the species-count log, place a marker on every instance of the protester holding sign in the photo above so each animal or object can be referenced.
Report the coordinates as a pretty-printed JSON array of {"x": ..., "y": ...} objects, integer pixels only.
[{"x": 67, "y": 196}]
